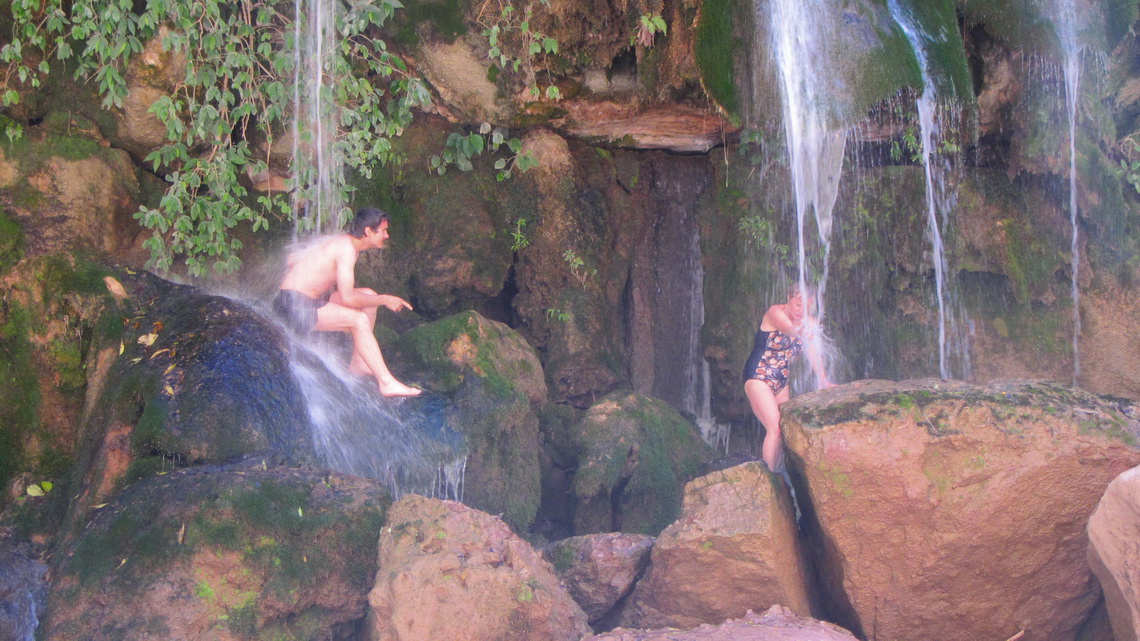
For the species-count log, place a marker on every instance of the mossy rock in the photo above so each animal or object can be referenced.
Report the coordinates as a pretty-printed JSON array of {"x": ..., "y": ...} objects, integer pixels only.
[
  {"x": 1028, "y": 26},
  {"x": 717, "y": 49},
  {"x": 493, "y": 382},
  {"x": 197, "y": 379},
  {"x": 11, "y": 242},
  {"x": 250, "y": 550},
  {"x": 635, "y": 455},
  {"x": 58, "y": 309},
  {"x": 866, "y": 58},
  {"x": 943, "y": 47}
]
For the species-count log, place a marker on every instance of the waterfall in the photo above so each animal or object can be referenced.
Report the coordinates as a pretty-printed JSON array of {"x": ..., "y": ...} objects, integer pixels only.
[
  {"x": 402, "y": 442},
  {"x": 316, "y": 174},
  {"x": 928, "y": 105},
  {"x": 1065, "y": 19},
  {"x": 800, "y": 34}
]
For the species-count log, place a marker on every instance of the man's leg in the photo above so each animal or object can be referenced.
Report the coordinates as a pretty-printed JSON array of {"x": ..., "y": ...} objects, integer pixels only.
[
  {"x": 335, "y": 317},
  {"x": 357, "y": 364}
]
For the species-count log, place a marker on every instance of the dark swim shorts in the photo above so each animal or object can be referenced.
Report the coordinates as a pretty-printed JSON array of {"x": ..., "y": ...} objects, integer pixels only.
[{"x": 297, "y": 310}]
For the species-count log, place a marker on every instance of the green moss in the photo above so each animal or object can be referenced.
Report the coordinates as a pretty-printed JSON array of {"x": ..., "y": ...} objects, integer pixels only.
[
  {"x": 19, "y": 390},
  {"x": 716, "y": 49},
  {"x": 945, "y": 50},
  {"x": 445, "y": 17},
  {"x": 11, "y": 243}
]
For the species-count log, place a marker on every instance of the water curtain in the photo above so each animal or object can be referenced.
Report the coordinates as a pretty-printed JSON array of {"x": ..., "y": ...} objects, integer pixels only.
[{"x": 800, "y": 34}]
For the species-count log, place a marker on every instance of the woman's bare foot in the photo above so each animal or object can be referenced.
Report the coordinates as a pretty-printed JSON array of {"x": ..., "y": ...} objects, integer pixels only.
[{"x": 396, "y": 388}]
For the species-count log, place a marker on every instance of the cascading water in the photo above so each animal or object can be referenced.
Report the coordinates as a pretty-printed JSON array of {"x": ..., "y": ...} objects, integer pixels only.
[
  {"x": 1065, "y": 21},
  {"x": 800, "y": 34},
  {"x": 402, "y": 443},
  {"x": 315, "y": 122},
  {"x": 928, "y": 105}
]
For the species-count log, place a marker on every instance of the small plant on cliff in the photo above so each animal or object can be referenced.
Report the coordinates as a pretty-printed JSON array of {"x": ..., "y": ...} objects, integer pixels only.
[
  {"x": 648, "y": 26},
  {"x": 514, "y": 41},
  {"x": 460, "y": 149}
]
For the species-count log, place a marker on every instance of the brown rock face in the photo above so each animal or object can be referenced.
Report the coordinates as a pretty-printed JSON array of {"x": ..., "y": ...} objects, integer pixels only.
[
  {"x": 948, "y": 511},
  {"x": 599, "y": 569},
  {"x": 1114, "y": 552},
  {"x": 450, "y": 572},
  {"x": 777, "y": 624},
  {"x": 734, "y": 549}
]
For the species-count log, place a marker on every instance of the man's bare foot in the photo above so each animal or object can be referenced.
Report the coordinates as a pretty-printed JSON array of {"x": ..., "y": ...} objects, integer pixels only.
[{"x": 396, "y": 388}]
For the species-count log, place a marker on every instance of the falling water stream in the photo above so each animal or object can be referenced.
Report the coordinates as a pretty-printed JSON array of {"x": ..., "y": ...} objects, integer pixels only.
[
  {"x": 927, "y": 106},
  {"x": 355, "y": 431},
  {"x": 800, "y": 34},
  {"x": 1065, "y": 22}
]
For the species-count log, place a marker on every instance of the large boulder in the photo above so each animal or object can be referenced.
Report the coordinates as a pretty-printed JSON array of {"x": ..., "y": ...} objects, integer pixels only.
[
  {"x": 246, "y": 551},
  {"x": 494, "y": 383},
  {"x": 945, "y": 510},
  {"x": 599, "y": 570},
  {"x": 1114, "y": 552},
  {"x": 735, "y": 548},
  {"x": 635, "y": 455},
  {"x": 451, "y": 572},
  {"x": 777, "y": 624}
]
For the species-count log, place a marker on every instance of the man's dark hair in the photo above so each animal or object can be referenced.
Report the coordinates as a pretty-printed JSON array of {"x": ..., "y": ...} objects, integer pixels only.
[{"x": 366, "y": 218}]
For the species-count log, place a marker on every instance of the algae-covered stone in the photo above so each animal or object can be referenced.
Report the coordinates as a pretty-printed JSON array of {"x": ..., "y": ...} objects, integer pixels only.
[
  {"x": 973, "y": 496},
  {"x": 246, "y": 551},
  {"x": 494, "y": 382},
  {"x": 57, "y": 313},
  {"x": 197, "y": 378},
  {"x": 636, "y": 453},
  {"x": 68, "y": 189}
]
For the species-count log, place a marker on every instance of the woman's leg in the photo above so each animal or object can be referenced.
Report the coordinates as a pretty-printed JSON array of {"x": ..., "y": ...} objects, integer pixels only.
[{"x": 767, "y": 410}]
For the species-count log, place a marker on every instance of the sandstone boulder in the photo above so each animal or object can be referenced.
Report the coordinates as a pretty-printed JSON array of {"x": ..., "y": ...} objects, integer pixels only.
[
  {"x": 733, "y": 549},
  {"x": 598, "y": 570},
  {"x": 777, "y": 624},
  {"x": 1114, "y": 552},
  {"x": 245, "y": 551},
  {"x": 451, "y": 572},
  {"x": 943, "y": 510}
]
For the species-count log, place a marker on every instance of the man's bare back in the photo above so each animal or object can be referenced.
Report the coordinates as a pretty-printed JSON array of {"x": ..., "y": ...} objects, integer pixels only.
[{"x": 329, "y": 268}]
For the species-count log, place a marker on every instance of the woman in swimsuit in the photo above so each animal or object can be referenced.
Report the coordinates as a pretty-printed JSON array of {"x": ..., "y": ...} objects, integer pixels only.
[{"x": 778, "y": 343}]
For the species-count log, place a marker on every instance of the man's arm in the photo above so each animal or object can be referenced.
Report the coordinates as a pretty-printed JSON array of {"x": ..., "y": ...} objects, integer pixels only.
[{"x": 346, "y": 284}]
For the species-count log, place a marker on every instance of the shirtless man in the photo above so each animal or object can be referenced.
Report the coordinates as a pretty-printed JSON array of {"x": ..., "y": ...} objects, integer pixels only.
[{"x": 319, "y": 292}]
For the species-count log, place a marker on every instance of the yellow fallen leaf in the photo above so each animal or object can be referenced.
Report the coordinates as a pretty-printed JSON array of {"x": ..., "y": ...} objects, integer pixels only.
[
  {"x": 169, "y": 390},
  {"x": 164, "y": 349},
  {"x": 121, "y": 348},
  {"x": 168, "y": 369},
  {"x": 115, "y": 287},
  {"x": 96, "y": 507},
  {"x": 135, "y": 360},
  {"x": 148, "y": 339}
]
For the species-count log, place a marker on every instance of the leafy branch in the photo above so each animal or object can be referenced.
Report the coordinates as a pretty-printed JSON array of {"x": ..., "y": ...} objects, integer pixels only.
[
  {"x": 460, "y": 149},
  {"x": 231, "y": 106},
  {"x": 514, "y": 43}
]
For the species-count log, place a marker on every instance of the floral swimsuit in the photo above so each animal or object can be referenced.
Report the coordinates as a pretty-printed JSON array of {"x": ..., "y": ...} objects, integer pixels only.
[{"x": 772, "y": 354}]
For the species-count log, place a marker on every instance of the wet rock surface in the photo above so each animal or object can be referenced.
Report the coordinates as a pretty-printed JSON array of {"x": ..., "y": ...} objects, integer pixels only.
[
  {"x": 734, "y": 548},
  {"x": 946, "y": 510},
  {"x": 599, "y": 570},
  {"x": 776, "y": 624},
  {"x": 1114, "y": 552},
  {"x": 489, "y": 382},
  {"x": 451, "y": 572},
  {"x": 23, "y": 587},
  {"x": 241, "y": 551}
]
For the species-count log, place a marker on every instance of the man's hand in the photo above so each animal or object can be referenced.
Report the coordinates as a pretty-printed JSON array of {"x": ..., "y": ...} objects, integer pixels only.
[{"x": 395, "y": 303}]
